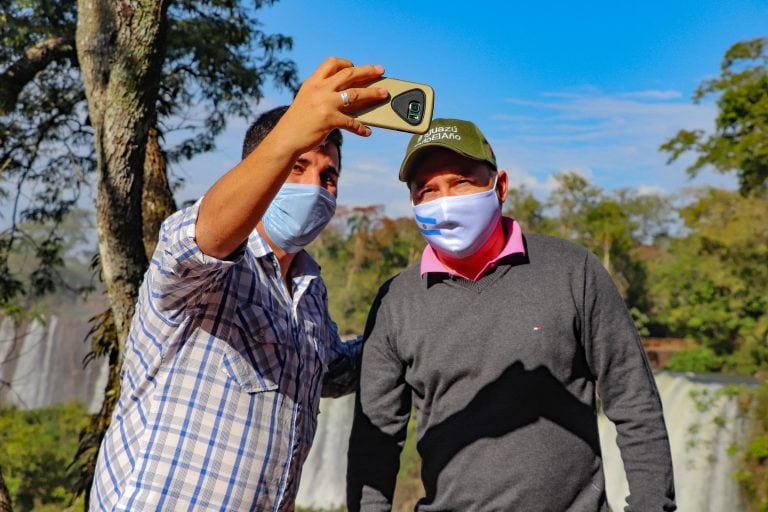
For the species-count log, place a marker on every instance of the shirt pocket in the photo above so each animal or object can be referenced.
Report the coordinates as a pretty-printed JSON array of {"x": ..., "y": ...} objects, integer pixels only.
[
  {"x": 250, "y": 379},
  {"x": 255, "y": 353}
]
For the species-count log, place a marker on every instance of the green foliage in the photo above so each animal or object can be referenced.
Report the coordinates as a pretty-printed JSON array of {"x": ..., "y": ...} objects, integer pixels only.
[
  {"x": 36, "y": 448},
  {"x": 711, "y": 285},
  {"x": 738, "y": 143},
  {"x": 641, "y": 321},
  {"x": 613, "y": 226},
  {"x": 748, "y": 359},
  {"x": 752, "y": 475},
  {"x": 758, "y": 448},
  {"x": 698, "y": 360},
  {"x": 360, "y": 250},
  {"x": 217, "y": 61},
  {"x": 523, "y": 206}
]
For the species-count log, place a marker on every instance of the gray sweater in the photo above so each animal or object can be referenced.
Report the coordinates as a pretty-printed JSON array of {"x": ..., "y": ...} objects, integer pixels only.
[{"x": 503, "y": 374}]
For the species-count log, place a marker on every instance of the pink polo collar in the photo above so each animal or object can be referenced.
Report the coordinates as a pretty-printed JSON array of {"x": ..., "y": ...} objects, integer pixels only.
[{"x": 514, "y": 245}]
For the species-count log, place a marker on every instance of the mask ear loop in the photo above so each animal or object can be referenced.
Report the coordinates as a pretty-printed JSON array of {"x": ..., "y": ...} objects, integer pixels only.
[{"x": 496, "y": 182}]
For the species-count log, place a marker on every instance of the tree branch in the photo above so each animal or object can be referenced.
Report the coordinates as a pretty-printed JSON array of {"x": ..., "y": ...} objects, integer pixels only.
[{"x": 37, "y": 58}]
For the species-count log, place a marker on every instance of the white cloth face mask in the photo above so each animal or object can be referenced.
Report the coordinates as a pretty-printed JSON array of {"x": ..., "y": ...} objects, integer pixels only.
[{"x": 458, "y": 226}]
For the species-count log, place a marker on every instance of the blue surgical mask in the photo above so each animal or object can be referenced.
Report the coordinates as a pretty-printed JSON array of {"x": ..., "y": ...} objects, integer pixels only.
[
  {"x": 297, "y": 214},
  {"x": 458, "y": 226}
]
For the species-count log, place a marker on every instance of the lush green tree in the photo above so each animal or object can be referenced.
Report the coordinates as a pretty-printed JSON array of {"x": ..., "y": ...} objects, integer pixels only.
[
  {"x": 609, "y": 225},
  {"x": 41, "y": 129},
  {"x": 738, "y": 143},
  {"x": 524, "y": 207},
  {"x": 652, "y": 216},
  {"x": 712, "y": 284},
  {"x": 644, "y": 224},
  {"x": 607, "y": 230},
  {"x": 697, "y": 359},
  {"x": 360, "y": 250},
  {"x": 571, "y": 201},
  {"x": 207, "y": 60}
]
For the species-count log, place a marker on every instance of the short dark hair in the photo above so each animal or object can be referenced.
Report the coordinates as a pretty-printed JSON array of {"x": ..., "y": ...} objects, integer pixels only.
[{"x": 267, "y": 121}]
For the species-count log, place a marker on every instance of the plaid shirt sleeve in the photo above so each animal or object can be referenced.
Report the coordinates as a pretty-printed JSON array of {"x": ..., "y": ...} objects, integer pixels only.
[
  {"x": 342, "y": 359},
  {"x": 344, "y": 366},
  {"x": 179, "y": 269}
]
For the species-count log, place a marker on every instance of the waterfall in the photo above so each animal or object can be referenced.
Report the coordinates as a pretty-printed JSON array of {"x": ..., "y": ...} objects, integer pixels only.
[
  {"x": 703, "y": 470},
  {"x": 323, "y": 480},
  {"x": 41, "y": 363}
]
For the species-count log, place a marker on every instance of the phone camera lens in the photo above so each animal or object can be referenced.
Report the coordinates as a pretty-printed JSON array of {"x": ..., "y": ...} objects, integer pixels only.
[{"x": 414, "y": 110}]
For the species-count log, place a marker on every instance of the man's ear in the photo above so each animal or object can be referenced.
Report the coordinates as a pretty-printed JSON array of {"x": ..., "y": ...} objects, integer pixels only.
[{"x": 502, "y": 186}]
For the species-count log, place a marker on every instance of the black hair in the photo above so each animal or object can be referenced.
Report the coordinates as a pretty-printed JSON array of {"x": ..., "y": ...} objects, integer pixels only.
[{"x": 267, "y": 121}]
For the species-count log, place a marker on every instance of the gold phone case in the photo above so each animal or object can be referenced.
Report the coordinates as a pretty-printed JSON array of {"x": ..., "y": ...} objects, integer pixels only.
[{"x": 409, "y": 108}]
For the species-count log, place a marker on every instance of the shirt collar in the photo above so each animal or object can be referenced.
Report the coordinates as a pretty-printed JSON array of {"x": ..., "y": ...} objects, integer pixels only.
[
  {"x": 514, "y": 245},
  {"x": 303, "y": 263}
]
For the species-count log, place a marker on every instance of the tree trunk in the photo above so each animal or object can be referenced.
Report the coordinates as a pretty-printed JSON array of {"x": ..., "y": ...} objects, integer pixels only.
[
  {"x": 157, "y": 197},
  {"x": 120, "y": 46},
  {"x": 607, "y": 255},
  {"x": 157, "y": 204},
  {"x": 5, "y": 498}
]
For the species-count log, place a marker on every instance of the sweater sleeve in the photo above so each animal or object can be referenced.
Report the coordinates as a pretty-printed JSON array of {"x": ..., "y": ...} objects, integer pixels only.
[
  {"x": 627, "y": 389},
  {"x": 382, "y": 409}
]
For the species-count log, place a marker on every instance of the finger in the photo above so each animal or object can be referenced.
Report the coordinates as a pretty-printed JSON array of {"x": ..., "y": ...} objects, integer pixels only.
[
  {"x": 331, "y": 66},
  {"x": 353, "y": 125},
  {"x": 355, "y": 75},
  {"x": 346, "y": 122},
  {"x": 359, "y": 98}
]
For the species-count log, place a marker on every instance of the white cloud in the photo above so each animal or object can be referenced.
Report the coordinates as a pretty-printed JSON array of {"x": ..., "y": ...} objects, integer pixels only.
[
  {"x": 650, "y": 190},
  {"x": 613, "y": 137},
  {"x": 658, "y": 95}
]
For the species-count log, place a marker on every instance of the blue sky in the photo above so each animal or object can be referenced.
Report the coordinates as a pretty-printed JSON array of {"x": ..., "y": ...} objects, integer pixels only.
[{"x": 593, "y": 87}]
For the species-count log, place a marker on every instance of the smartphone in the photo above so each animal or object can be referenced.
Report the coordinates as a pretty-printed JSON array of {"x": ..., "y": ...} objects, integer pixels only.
[{"x": 409, "y": 108}]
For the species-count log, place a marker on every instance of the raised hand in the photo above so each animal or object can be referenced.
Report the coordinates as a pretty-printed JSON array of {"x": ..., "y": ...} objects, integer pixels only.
[{"x": 320, "y": 104}]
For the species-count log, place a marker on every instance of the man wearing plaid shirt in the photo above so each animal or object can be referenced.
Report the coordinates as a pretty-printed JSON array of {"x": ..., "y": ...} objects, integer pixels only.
[{"x": 231, "y": 345}]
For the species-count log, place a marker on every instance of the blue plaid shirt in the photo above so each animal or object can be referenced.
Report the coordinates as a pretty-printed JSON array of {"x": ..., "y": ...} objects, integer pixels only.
[{"x": 221, "y": 380}]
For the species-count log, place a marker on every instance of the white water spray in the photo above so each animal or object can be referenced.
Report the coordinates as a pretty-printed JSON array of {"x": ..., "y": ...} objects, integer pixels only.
[{"x": 41, "y": 363}]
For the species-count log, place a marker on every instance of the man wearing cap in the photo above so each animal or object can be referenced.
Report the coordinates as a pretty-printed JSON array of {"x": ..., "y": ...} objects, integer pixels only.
[{"x": 501, "y": 341}]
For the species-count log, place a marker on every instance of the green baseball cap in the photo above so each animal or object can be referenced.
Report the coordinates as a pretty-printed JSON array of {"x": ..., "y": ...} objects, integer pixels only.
[{"x": 462, "y": 137}]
